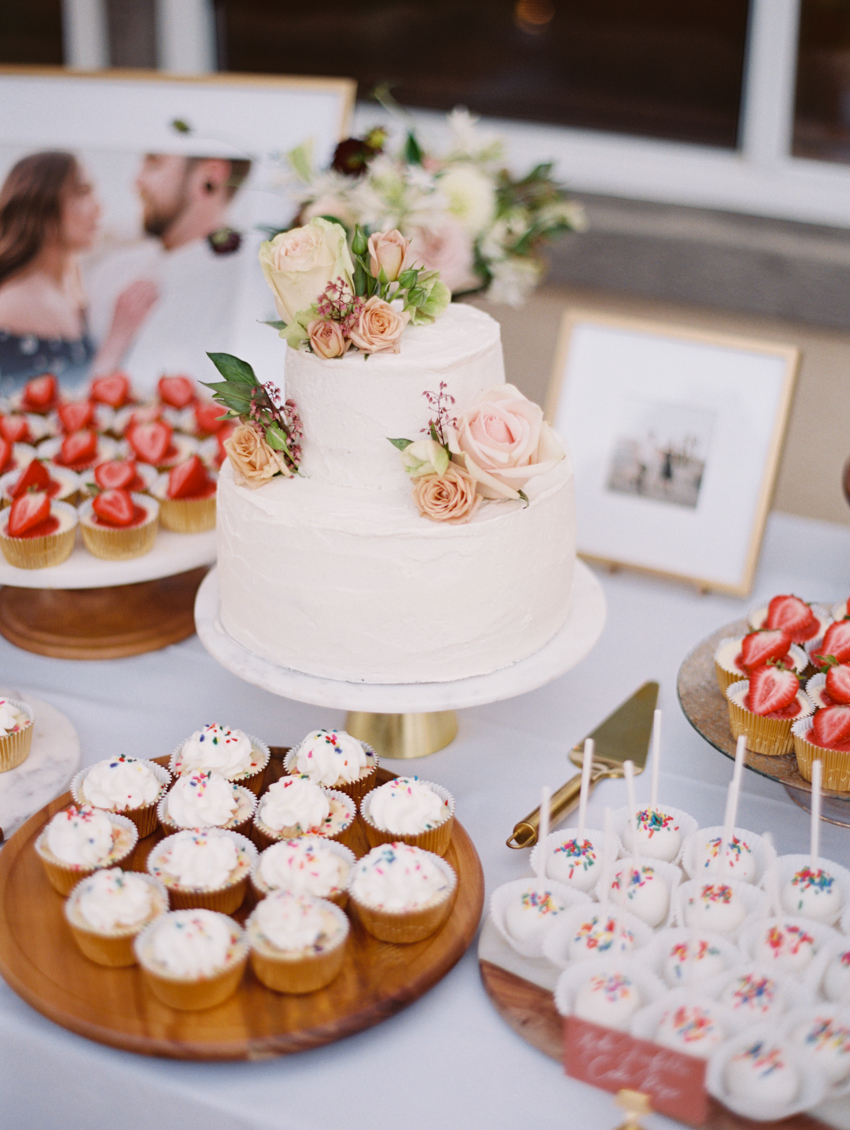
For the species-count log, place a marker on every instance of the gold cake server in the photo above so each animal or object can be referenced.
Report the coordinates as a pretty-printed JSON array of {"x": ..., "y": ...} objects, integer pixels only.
[{"x": 623, "y": 736}]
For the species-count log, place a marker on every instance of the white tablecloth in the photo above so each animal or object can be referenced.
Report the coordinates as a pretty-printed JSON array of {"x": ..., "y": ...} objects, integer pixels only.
[{"x": 448, "y": 1060}]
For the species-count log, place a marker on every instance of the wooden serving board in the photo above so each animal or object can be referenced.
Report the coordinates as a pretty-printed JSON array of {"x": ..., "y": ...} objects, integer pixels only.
[
  {"x": 39, "y": 960},
  {"x": 101, "y": 623}
]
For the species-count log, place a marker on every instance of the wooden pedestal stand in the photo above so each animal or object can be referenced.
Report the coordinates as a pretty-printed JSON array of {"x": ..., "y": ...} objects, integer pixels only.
[{"x": 101, "y": 623}]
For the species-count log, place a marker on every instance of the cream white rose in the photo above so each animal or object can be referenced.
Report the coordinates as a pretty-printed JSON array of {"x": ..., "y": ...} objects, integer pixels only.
[
  {"x": 425, "y": 457},
  {"x": 299, "y": 264}
]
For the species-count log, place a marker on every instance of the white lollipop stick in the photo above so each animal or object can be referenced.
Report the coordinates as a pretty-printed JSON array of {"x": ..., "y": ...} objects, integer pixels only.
[
  {"x": 586, "y": 765},
  {"x": 817, "y": 777},
  {"x": 543, "y": 830},
  {"x": 608, "y": 853},
  {"x": 771, "y": 879},
  {"x": 740, "y": 753},
  {"x": 728, "y": 832},
  {"x": 656, "y": 758},
  {"x": 629, "y": 772}
]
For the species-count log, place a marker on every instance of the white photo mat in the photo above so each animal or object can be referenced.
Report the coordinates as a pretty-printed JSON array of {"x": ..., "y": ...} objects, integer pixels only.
[{"x": 676, "y": 437}]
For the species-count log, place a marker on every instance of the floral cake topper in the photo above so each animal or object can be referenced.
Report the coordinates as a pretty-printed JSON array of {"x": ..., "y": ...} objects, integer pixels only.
[{"x": 332, "y": 299}]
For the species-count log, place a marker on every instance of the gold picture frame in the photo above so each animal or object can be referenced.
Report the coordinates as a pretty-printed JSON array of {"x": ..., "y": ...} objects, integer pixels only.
[{"x": 676, "y": 436}]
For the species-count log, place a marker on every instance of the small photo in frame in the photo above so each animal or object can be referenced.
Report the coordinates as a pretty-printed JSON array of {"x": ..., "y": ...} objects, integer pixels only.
[{"x": 675, "y": 435}]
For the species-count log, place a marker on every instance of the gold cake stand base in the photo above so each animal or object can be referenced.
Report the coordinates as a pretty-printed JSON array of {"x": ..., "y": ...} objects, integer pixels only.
[{"x": 403, "y": 735}]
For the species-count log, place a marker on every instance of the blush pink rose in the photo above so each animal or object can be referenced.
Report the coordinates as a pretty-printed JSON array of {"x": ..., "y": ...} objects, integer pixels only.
[
  {"x": 326, "y": 338},
  {"x": 446, "y": 248},
  {"x": 388, "y": 250},
  {"x": 379, "y": 327},
  {"x": 450, "y": 497},
  {"x": 503, "y": 441}
]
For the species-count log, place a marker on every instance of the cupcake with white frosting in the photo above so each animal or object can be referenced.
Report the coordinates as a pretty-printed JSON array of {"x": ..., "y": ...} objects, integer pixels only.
[
  {"x": 401, "y": 893},
  {"x": 237, "y": 756},
  {"x": 192, "y": 959},
  {"x": 108, "y": 909},
  {"x": 307, "y": 865},
  {"x": 207, "y": 869},
  {"x": 412, "y": 811},
  {"x": 204, "y": 799},
  {"x": 122, "y": 784},
  {"x": 335, "y": 760},
  {"x": 16, "y": 727},
  {"x": 297, "y": 942},
  {"x": 294, "y": 806},
  {"x": 78, "y": 841}
]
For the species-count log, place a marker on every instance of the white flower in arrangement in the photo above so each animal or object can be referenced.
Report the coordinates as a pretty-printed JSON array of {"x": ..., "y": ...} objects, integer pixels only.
[
  {"x": 469, "y": 140},
  {"x": 513, "y": 280},
  {"x": 471, "y": 197}
]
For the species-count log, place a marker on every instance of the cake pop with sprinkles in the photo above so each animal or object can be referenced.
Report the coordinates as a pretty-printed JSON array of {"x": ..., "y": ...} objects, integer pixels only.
[
  {"x": 653, "y": 832},
  {"x": 692, "y": 959},
  {"x": 811, "y": 890},
  {"x": 836, "y": 977},
  {"x": 752, "y": 995},
  {"x": 826, "y": 1039},
  {"x": 690, "y": 1028},
  {"x": 714, "y": 906},
  {"x": 762, "y": 1073},
  {"x": 576, "y": 860},
  {"x": 607, "y": 998}
]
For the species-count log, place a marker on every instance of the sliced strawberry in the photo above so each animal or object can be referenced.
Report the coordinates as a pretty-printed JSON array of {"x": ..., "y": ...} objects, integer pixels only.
[
  {"x": 790, "y": 614},
  {"x": 113, "y": 390},
  {"x": 771, "y": 689},
  {"x": 150, "y": 441},
  {"x": 78, "y": 449},
  {"x": 15, "y": 429},
  {"x": 758, "y": 647},
  {"x": 6, "y": 455},
  {"x": 831, "y": 726},
  {"x": 27, "y": 511},
  {"x": 208, "y": 418},
  {"x": 117, "y": 474},
  {"x": 836, "y": 642},
  {"x": 33, "y": 477},
  {"x": 176, "y": 391},
  {"x": 188, "y": 479},
  {"x": 838, "y": 683},
  {"x": 114, "y": 507},
  {"x": 41, "y": 393},
  {"x": 76, "y": 415}
]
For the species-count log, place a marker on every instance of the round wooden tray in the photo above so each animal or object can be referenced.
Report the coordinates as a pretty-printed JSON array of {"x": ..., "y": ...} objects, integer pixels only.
[
  {"x": 706, "y": 709},
  {"x": 39, "y": 960}
]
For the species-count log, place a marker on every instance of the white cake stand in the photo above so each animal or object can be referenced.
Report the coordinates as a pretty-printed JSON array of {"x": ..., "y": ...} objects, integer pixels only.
[{"x": 410, "y": 719}]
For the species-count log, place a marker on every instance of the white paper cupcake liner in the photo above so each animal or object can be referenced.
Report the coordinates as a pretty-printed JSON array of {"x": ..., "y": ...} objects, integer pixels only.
[
  {"x": 839, "y": 610},
  {"x": 815, "y": 687},
  {"x": 645, "y": 1022},
  {"x": 557, "y": 941},
  {"x": 787, "y": 865},
  {"x": 503, "y": 896},
  {"x": 755, "y": 902},
  {"x": 583, "y": 880},
  {"x": 808, "y": 1015},
  {"x": 812, "y": 1084},
  {"x": 573, "y": 979},
  {"x": 668, "y": 872},
  {"x": 620, "y": 824},
  {"x": 333, "y": 846},
  {"x": 700, "y": 839},
  {"x": 663, "y": 942}
]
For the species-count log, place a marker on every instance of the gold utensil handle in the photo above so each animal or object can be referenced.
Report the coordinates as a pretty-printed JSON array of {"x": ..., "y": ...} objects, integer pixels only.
[{"x": 525, "y": 832}]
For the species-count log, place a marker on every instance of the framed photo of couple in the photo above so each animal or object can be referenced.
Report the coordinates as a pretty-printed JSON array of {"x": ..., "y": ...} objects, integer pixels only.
[
  {"x": 132, "y": 207},
  {"x": 675, "y": 436}
]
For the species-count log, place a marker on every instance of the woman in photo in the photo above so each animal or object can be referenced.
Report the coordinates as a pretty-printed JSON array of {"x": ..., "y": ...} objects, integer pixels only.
[{"x": 49, "y": 214}]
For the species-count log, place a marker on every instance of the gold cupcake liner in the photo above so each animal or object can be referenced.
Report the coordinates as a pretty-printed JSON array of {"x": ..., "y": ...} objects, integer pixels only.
[
  {"x": 64, "y": 878},
  {"x": 294, "y": 972},
  {"x": 226, "y": 900},
  {"x": 195, "y": 995},
  {"x": 403, "y": 926},
  {"x": 41, "y": 552},
  {"x": 15, "y": 748},
  {"x": 725, "y": 678},
  {"x": 835, "y": 763},
  {"x": 771, "y": 736},
  {"x": 114, "y": 543},
  {"x": 188, "y": 515}
]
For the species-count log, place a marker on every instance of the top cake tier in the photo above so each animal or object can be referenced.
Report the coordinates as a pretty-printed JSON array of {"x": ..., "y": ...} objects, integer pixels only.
[{"x": 351, "y": 406}]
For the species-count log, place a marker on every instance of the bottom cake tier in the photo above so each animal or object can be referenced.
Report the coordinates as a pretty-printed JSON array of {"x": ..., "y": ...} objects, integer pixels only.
[{"x": 357, "y": 586}]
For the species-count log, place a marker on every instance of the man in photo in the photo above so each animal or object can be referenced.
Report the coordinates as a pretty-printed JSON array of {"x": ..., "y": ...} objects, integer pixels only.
[{"x": 190, "y": 262}]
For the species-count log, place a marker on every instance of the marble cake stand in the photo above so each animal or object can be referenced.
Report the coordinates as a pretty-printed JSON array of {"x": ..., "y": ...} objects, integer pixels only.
[
  {"x": 410, "y": 719},
  {"x": 87, "y": 608}
]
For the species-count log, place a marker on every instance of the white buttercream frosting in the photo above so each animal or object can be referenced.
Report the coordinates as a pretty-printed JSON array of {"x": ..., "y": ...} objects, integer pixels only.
[
  {"x": 293, "y": 802},
  {"x": 197, "y": 860},
  {"x": 305, "y": 866},
  {"x": 120, "y": 783},
  {"x": 217, "y": 747},
  {"x": 405, "y": 806},
  {"x": 11, "y": 718},
  {"x": 201, "y": 799},
  {"x": 80, "y": 836},
  {"x": 296, "y": 922},
  {"x": 329, "y": 756},
  {"x": 112, "y": 899},
  {"x": 193, "y": 943},
  {"x": 399, "y": 877}
]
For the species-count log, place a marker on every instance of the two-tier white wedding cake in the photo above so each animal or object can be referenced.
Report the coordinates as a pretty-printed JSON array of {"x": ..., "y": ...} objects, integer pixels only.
[{"x": 334, "y": 572}]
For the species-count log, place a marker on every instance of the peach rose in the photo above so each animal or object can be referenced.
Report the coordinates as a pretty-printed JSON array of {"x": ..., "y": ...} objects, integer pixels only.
[
  {"x": 450, "y": 497},
  {"x": 379, "y": 327},
  {"x": 503, "y": 442},
  {"x": 448, "y": 249},
  {"x": 388, "y": 250},
  {"x": 327, "y": 338},
  {"x": 254, "y": 462}
]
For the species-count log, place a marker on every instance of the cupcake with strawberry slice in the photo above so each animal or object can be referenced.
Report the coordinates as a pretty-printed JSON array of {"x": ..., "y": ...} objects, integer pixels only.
[
  {"x": 764, "y": 707},
  {"x": 177, "y": 396},
  {"x": 77, "y": 416},
  {"x": 187, "y": 497},
  {"x": 830, "y": 687},
  {"x": 802, "y": 622},
  {"x": 79, "y": 451},
  {"x": 117, "y": 525},
  {"x": 40, "y": 395},
  {"x": 825, "y": 735},
  {"x": 155, "y": 443},
  {"x": 736, "y": 657},
  {"x": 121, "y": 474},
  {"x": 835, "y": 645},
  {"x": 35, "y": 532},
  {"x": 58, "y": 482}
]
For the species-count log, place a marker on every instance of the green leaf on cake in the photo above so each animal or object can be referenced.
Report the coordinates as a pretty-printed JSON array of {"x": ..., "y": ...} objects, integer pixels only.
[
  {"x": 233, "y": 369},
  {"x": 401, "y": 444}
]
